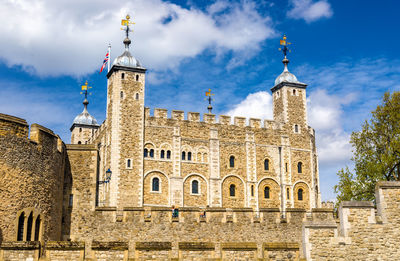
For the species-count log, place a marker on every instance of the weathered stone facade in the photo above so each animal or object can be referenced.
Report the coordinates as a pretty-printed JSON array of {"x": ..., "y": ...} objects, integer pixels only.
[{"x": 243, "y": 190}]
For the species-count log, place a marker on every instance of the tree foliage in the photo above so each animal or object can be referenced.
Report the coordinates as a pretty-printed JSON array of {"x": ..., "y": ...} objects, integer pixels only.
[{"x": 376, "y": 150}]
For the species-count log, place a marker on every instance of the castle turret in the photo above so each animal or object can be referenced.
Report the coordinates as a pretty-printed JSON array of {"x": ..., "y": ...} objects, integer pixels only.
[
  {"x": 125, "y": 121},
  {"x": 84, "y": 125}
]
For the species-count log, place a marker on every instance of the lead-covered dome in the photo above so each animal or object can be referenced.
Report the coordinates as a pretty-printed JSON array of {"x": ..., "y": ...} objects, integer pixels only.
[
  {"x": 84, "y": 118},
  {"x": 286, "y": 76},
  {"x": 127, "y": 60}
]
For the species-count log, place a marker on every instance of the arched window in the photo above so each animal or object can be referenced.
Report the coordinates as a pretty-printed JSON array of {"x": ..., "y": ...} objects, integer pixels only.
[
  {"x": 137, "y": 96},
  {"x": 266, "y": 164},
  {"x": 137, "y": 77},
  {"x": 79, "y": 142},
  {"x": 300, "y": 194},
  {"x": 232, "y": 161},
  {"x": 155, "y": 185},
  {"x": 123, "y": 76},
  {"x": 80, "y": 129},
  {"x": 299, "y": 167},
  {"x": 195, "y": 187},
  {"x": 183, "y": 155},
  {"x": 151, "y": 153},
  {"x": 37, "y": 228},
  {"x": 266, "y": 192},
  {"x": 20, "y": 232},
  {"x": 128, "y": 163},
  {"x": 168, "y": 154},
  {"x": 162, "y": 154},
  {"x": 232, "y": 189},
  {"x": 122, "y": 94},
  {"x": 294, "y": 92},
  {"x": 189, "y": 155},
  {"x": 146, "y": 152},
  {"x": 296, "y": 128},
  {"x": 252, "y": 190},
  {"x": 29, "y": 228}
]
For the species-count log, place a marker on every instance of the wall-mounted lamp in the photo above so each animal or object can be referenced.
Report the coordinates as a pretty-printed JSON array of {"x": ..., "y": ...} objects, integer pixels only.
[{"x": 108, "y": 177}]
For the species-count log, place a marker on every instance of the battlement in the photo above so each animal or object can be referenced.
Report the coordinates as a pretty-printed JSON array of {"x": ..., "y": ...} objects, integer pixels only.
[
  {"x": 358, "y": 220},
  {"x": 212, "y": 119},
  {"x": 13, "y": 125}
]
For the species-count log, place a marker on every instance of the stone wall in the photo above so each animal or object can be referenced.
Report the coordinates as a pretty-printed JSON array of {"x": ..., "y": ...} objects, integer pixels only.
[
  {"x": 31, "y": 180},
  {"x": 363, "y": 232}
]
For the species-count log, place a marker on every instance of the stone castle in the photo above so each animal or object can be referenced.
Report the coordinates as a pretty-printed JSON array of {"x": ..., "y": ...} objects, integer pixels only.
[{"x": 152, "y": 187}]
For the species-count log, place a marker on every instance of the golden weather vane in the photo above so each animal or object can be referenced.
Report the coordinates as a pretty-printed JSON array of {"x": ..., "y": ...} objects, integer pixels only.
[
  {"x": 126, "y": 22},
  {"x": 209, "y": 94},
  {"x": 85, "y": 89},
  {"x": 284, "y": 43}
]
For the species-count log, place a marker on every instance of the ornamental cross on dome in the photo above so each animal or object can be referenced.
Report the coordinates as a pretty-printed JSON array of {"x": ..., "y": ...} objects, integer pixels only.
[{"x": 284, "y": 43}]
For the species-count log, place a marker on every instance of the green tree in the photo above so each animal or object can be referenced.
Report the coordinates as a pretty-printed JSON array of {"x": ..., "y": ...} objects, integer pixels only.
[{"x": 376, "y": 150}]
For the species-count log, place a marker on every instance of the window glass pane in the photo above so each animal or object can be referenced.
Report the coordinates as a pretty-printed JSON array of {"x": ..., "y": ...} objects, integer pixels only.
[
  {"x": 189, "y": 155},
  {"x": 195, "y": 187},
  {"x": 21, "y": 220},
  {"x": 300, "y": 194},
  {"x": 162, "y": 155},
  {"x": 168, "y": 154},
  {"x": 232, "y": 190},
  {"x": 156, "y": 184},
  {"x": 266, "y": 192},
  {"x": 37, "y": 228},
  {"x": 29, "y": 228},
  {"x": 183, "y": 155},
  {"x": 145, "y": 153},
  {"x": 266, "y": 164},
  {"x": 151, "y": 153},
  {"x": 232, "y": 161}
]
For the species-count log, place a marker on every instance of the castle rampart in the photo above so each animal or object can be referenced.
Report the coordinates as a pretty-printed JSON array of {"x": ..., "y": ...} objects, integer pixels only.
[{"x": 32, "y": 173}]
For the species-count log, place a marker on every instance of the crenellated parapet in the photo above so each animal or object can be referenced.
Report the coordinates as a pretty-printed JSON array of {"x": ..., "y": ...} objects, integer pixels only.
[
  {"x": 208, "y": 118},
  {"x": 34, "y": 173},
  {"x": 362, "y": 232}
]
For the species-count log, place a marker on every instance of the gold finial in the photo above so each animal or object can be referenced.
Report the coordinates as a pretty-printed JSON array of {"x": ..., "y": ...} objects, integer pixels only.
[
  {"x": 85, "y": 87},
  {"x": 126, "y": 21},
  {"x": 284, "y": 43},
  {"x": 209, "y": 93}
]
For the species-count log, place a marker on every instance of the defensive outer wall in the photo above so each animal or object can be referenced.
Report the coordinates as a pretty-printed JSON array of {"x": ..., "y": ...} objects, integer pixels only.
[{"x": 36, "y": 173}]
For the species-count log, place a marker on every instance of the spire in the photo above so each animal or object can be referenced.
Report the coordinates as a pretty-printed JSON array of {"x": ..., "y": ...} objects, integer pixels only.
[
  {"x": 285, "y": 50},
  {"x": 209, "y": 94},
  {"x": 84, "y": 118},
  {"x": 126, "y": 22},
  {"x": 285, "y": 76},
  {"x": 84, "y": 91}
]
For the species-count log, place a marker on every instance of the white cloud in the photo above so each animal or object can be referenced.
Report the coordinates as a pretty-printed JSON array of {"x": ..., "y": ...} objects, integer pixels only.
[
  {"x": 309, "y": 11},
  {"x": 256, "y": 105},
  {"x": 71, "y": 36}
]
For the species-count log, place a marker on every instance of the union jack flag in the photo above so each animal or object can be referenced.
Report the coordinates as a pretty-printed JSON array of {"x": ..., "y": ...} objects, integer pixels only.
[{"x": 105, "y": 61}]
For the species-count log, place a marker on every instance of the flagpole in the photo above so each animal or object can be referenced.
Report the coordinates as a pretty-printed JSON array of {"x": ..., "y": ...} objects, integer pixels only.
[{"x": 109, "y": 57}]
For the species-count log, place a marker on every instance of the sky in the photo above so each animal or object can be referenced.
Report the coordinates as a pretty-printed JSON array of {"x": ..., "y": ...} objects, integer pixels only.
[{"x": 346, "y": 51}]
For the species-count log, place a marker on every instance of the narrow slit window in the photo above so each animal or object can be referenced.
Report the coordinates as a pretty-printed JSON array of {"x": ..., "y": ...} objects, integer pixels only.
[
  {"x": 232, "y": 189},
  {"x": 300, "y": 167},
  {"x": 123, "y": 76},
  {"x": 183, "y": 155},
  {"x": 151, "y": 153},
  {"x": 128, "y": 163},
  {"x": 252, "y": 190},
  {"x": 189, "y": 155},
  {"x": 266, "y": 192},
  {"x": 137, "y": 96},
  {"x": 266, "y": 164},
  {"x": 37, "y": 228},
  {"x": 122, "y": 95},
  {"x": 300, "y": 194},
  {"x": 29, "y": 228},
  {"x": 71, "y": 200},
  {"x": 296, "y": 128},
  {"x": 162, "y": 154},
  {"x": 286, "y": 169},
  {"x": 287, "y": 193},
  {"x": 21, "y": 221},
  {"x": 168, "y": 154},
  {"x": 232, "y": 161},
  {"x": 195, "y": 187},
  {"x": 146, "y": 152},
  {"x": 137, "y": 77},
  {"x": 155, "y": 186}
]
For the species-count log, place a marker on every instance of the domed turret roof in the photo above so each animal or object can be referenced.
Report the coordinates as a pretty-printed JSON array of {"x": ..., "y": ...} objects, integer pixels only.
[
  {"x": 286, "y": 76},
  {"x": 84, "y": 118},
  {"x": 127, "y": 60}
]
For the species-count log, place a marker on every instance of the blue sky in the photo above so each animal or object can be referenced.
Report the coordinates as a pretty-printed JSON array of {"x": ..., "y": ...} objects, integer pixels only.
[{"x": 346, "y": 51}]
